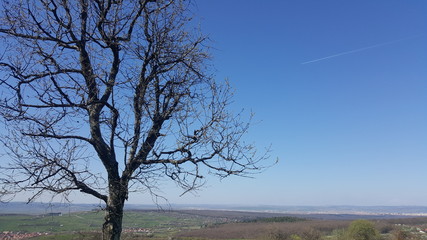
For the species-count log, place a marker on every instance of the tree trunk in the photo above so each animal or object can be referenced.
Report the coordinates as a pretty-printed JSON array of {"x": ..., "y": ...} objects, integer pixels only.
[{"x": 112, "y": 227}]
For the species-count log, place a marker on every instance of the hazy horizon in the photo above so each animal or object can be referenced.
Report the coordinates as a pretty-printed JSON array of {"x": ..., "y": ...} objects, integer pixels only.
[{"x": 43, "y": 208}]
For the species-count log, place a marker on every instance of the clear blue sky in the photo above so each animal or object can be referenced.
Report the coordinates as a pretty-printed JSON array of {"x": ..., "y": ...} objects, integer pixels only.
[{"x": 340, "y": 90}]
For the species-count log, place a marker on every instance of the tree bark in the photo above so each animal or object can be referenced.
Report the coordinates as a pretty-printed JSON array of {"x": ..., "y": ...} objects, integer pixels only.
[{"x": 112, "y": 227}]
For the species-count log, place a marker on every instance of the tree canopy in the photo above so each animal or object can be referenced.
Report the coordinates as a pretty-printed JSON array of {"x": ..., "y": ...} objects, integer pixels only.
[{"x": 121, "y": 84}]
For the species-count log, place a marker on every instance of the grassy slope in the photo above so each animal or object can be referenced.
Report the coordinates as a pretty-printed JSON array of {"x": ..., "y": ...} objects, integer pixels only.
[
  {"x": 86, "y": 221},
  {"x": 158, "y": 223},
  {"x": 180, "y": 224}
]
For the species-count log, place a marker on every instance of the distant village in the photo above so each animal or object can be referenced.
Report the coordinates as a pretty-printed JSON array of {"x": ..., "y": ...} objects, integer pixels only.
[{"x": 7, "y": 235}]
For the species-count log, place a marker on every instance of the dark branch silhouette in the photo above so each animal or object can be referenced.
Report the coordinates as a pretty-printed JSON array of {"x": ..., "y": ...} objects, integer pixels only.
[{"x": 122, "y": 83}]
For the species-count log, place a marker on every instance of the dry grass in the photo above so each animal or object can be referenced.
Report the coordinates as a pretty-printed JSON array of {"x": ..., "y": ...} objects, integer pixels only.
[{"x": 307, "y": 229}]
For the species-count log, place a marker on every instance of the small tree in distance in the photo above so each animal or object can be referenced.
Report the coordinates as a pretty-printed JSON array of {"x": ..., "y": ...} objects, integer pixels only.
[
  {"x": 118, "y": 84},
  {"x": 362, "y": 230}
]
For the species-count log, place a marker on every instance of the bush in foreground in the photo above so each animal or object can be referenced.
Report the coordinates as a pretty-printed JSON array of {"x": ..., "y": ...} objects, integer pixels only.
[{"x": 362, "y": 230}]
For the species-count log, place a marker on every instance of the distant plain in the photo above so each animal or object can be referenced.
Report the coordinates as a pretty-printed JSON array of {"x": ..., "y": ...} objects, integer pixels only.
[{"x": 74, "y": 221}]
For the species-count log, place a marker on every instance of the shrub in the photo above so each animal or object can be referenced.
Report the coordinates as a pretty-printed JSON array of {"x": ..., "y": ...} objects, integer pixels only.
[
  {"x": 362, "y": 230},
  {"x": 276, "y": 234},
  {"x": 400, "y": 234},
  {"x": 339, "y": 234},
  {"x": 311, "y": 234}
]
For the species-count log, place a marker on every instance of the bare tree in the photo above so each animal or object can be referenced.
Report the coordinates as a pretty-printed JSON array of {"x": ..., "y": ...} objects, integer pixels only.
[{"x": 122, "y": 84}]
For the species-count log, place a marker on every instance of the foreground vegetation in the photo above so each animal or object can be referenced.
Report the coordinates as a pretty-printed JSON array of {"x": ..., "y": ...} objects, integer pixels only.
[
  {"x": 86, "y": 225},
  {"x": 208, "y": 225},
  {"x": 267, "y": 229}
]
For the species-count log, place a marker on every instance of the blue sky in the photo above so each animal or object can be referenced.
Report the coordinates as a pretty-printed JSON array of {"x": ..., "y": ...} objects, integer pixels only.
[
  {"x": 350, "y": 129},
  {"x": 339, "y": 89}
]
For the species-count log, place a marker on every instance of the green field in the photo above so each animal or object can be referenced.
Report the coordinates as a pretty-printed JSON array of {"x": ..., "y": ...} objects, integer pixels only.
[
  {"x": 135, "y": 223},
  {"x": 202, "y": 225}
]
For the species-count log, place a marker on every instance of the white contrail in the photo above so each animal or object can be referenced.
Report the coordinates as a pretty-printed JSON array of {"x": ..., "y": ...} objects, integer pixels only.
[{"x": 361, "y": 49}]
